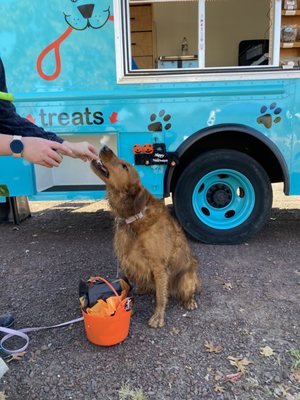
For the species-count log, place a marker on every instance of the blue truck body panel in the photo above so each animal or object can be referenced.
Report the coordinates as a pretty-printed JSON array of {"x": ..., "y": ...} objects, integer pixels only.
[{"x": 84, "y": 98}]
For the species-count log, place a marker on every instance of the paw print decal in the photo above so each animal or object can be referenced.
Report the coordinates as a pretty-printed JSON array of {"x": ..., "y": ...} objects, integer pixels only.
[
  {"x": 160, "y": 122},
  {"x": 269, "y": 116}
]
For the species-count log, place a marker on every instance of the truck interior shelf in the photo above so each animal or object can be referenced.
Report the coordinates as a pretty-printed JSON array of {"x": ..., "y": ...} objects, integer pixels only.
[{"x": 74, "y": 188}]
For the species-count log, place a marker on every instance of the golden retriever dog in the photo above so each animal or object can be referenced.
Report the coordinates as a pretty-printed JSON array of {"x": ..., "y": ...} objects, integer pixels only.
[{"x": 150, "y": 245}]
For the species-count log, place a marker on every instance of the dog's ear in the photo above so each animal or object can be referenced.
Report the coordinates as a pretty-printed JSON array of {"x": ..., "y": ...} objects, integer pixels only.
[{"x": 139, "y": 195}]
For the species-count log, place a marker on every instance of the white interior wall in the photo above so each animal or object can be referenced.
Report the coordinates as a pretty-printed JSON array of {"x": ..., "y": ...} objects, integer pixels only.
[
  {"x": 173, "y": 22},
  {"x": 228, "y": 22},
  {"x": 72, "y": 171},
  {"x": 43, "y": 177}
]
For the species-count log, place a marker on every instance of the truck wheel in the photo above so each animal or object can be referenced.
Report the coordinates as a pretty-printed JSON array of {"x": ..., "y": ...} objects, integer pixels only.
[{"x": 223, "y": 197}]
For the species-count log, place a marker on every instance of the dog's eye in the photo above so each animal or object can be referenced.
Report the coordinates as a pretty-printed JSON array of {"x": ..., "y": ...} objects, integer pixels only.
[
  {"x": 124, "y": 166},
  {"x": 74, "y": 1}
]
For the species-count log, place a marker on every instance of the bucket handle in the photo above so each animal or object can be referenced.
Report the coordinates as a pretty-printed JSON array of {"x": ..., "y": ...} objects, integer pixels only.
[{"x": 99, "y": 278}]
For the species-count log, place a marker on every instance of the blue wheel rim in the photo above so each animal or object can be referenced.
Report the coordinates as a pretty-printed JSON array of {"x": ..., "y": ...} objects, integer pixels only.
[{"x": 223, "y": 199}]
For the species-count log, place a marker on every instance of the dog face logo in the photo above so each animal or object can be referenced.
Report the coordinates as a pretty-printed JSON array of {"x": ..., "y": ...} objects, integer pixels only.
[{"x": 81, "y": 15}]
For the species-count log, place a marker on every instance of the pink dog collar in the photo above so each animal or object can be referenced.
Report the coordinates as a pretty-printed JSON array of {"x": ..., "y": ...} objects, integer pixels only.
[{"x": 133, "y": 218}]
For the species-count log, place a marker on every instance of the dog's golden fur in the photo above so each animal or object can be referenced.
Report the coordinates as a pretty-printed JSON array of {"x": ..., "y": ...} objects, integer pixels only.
[{"x": 153, "y": 251}]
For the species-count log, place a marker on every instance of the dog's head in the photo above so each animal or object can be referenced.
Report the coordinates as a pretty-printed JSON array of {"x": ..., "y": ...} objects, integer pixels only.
[
  {"x": 82, "y": 14},
  {"x": 126, "y": 194},
  {"x": 118, "y": 174}
]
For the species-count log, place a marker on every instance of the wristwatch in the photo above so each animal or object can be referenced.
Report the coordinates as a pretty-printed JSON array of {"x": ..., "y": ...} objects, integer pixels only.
[{"x": 17, "y": 146}]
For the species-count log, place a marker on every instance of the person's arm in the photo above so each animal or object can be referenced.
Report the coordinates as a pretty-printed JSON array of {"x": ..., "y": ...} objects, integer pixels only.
[
  {"x": 36, "y": 150},
  {"x": 11, "y": 123}
]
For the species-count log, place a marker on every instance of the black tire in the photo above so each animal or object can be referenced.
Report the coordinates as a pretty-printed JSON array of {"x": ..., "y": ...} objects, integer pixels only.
[{"x": 223, "y": 197}]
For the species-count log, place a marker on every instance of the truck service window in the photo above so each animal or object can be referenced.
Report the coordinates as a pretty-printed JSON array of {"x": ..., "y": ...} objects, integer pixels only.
[
  {"x": 164, "y": 34},
  {"x": 185, "y": 35}
]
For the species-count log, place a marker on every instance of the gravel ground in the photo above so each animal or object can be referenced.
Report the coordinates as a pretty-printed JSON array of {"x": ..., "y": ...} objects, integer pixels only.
[{"x": 250, "y": 300}]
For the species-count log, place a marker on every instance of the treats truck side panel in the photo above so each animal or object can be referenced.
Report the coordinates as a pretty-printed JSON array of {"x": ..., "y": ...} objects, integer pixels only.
[{"x": 214, "y": 136}]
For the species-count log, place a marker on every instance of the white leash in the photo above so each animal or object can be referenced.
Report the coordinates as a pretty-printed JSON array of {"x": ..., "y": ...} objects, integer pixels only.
[{"x": 22, "y": 334}]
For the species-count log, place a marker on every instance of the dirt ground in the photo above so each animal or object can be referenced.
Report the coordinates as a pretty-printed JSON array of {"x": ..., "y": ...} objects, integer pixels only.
[{"x": 249, "y": 311}]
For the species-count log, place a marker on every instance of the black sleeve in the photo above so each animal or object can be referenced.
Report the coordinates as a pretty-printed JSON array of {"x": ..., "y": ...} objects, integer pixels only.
[{"x": 11, "y": 123}]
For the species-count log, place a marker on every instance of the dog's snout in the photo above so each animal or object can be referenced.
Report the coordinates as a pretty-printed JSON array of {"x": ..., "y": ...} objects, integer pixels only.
[
  {"x": 86, "y": 10},
  {"x": 105, "y": 149},
  {"x": 106, "y": 154}
]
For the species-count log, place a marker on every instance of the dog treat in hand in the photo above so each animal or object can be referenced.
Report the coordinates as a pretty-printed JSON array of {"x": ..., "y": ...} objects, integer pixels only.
[{"x": 104, "y": 140}]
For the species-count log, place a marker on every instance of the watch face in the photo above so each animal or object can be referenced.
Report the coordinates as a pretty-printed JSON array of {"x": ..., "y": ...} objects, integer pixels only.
[{"x": 16, "y": 146}]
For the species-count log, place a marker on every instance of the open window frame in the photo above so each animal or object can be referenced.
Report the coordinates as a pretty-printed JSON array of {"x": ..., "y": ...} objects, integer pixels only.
[{"x": 126, "y": 74}]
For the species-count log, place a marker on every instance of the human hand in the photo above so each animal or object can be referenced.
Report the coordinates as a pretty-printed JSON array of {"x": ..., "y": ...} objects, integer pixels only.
[
  {"x": 44, "y": 152},
  {"x": 83, "y": 150}
]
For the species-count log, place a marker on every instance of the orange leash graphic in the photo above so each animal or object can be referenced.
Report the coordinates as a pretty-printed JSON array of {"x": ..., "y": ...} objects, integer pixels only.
[{"x": 53, "y": 46}]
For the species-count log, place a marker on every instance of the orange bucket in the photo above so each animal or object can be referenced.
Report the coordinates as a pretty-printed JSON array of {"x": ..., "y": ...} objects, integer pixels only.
[{"x": 108, "y": 331}]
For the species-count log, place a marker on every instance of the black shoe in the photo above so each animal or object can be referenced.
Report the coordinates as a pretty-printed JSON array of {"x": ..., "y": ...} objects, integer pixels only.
[{"x": 6, "y": 320}]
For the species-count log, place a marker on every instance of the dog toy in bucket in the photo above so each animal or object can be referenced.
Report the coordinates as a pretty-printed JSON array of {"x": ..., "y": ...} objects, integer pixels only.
[{"x": 106, "y": 309}]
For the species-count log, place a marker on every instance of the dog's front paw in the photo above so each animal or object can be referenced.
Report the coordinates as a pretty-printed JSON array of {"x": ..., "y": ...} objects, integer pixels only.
[
  {"x": 190, "y": 305},
  {"x": 156, "y": 321}
]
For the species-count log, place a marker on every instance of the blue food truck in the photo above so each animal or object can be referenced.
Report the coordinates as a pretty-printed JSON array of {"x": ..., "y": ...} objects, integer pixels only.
[{"x": 202, "y": 96}]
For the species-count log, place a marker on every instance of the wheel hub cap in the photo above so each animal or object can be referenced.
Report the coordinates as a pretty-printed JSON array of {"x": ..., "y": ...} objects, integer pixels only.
[
  {"x": 223, "y": 199},
  {"x": 219, "y": 195}
]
